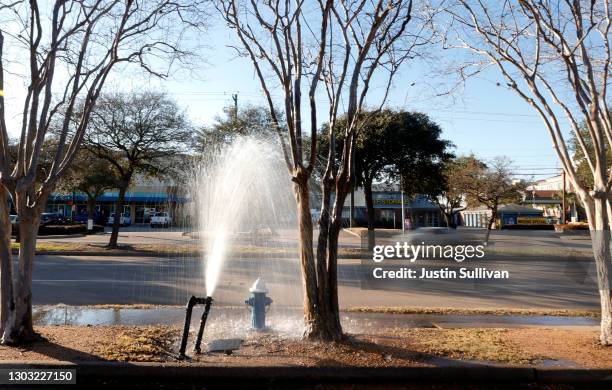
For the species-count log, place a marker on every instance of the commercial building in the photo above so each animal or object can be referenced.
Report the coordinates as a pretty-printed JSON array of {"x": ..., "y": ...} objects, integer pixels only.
[
  {"x": 418, "y": 211},
  {"x": 146, "y": 196},
  {"x": 547, "y": 195},
  {"x": 510, "y": 214}
]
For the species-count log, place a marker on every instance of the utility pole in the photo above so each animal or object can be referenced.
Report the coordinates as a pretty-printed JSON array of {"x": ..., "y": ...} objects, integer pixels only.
[
  {"x": 235, "y": 99},
  {"x": 563, "y": 199},
  {"x": 402, "y": 201}
]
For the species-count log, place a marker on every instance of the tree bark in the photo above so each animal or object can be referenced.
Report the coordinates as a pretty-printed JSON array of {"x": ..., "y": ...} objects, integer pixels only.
[
  {"x": 322, "y": 244},
  {"x": 314, "y": 327},
  {"x": 91, "y": 204},
  {"x": 117, "y": 220},
  {"x": 7, "y": 305},
  {"x": 20, "y": 328},
  {"x": 332, "y": 319},
  {"x": 367, "y": 190},
  {"x": 600, "y": 238}
]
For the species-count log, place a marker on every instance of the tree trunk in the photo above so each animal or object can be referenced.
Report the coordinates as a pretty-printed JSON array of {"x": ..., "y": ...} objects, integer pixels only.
[
  {"x": 322, "y": 242},
  {"x": 367, "y": 190},
  {"x": 332, "y": 319},
  {"x": 447, "y": 218},
  {"x": 91, "y": 204},
  {"x": 312, "y": 311},
  {"x": 20, "y": 329},
  {"x": 117, "y": 220},
  {"x": 600, "y": 238},
  {"x": 7, "y": 305},
  {"x": 490, "y": 225}
]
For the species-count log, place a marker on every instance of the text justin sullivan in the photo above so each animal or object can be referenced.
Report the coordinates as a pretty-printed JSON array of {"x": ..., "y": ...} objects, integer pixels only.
[{"x": 440, "y": 273}]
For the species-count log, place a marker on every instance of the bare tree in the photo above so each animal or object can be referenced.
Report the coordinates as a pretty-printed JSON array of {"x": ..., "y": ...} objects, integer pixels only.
[
  {"x": 449, "y": 192},
  {"x": 136, "y": 133},
  {"x": 491, "y": 186},
  {"x": 555, "y": 55},
  {"x": 69, "y": 55},
  {"x": 295, "y": 45}
]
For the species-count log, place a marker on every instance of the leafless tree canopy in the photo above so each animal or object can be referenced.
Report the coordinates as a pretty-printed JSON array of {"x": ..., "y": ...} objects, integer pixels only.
[
  {"x": 345, "y": 45},
  {"x": 295, "y": 45},
  {"x": 69, "y": 55},
  {"x": 64, "y": 51},
  {"x": 556, "y": 56}
]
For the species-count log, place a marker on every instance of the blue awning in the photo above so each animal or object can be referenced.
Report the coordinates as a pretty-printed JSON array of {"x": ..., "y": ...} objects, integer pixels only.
[{"x": 141, "y": 197}]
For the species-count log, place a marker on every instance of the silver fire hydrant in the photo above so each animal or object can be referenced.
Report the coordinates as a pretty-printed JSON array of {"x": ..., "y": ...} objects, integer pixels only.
[{"x": 258, "y": 302}]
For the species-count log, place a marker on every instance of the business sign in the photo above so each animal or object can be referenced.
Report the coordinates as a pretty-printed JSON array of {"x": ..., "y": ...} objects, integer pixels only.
[
  {"x": 387, "y": 200},
  {"x": 531, "y": 220}
]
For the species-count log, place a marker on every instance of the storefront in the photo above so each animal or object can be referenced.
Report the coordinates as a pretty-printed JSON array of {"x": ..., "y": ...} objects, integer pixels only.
[
  {"x": 418, "y": 212},
  {"x": 139, "y": 205}
]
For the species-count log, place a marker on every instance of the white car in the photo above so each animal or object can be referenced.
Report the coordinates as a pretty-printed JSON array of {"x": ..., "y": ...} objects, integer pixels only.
[
  {"x": 124, "y": 220},
  {"x": 160, "y": 219}
]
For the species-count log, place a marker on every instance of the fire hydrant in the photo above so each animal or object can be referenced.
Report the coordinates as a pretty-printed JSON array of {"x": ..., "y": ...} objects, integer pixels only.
[{"x": 258, "y": 302}]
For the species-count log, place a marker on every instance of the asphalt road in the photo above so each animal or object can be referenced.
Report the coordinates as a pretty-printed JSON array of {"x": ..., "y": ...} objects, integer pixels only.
[{"x": 536, "y": 281}]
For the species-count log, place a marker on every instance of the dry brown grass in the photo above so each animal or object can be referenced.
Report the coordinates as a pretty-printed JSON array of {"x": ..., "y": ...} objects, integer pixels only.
[
  {"x": 187, "y": 249},
  {"x": 140, "y": 344},
  {"x": 491, "y": 345},
  {"x": 476, "y": 311}
]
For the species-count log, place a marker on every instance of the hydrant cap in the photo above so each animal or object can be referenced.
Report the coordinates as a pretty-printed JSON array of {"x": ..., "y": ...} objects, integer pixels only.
[{"x": 259, "y": 286}]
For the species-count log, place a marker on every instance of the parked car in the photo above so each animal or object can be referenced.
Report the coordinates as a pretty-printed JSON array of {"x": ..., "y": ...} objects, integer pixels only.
[
  {"x": 160, "y": 219},
  {"x": 80, "y": 218},
  {"x": 124, "y": 219},
  {"x": 49, "y": 219},
  {"x": 98, "y": 218}
]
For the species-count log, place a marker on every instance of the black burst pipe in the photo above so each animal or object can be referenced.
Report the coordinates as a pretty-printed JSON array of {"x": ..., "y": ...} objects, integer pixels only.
[{"x": 188, "y": 311}]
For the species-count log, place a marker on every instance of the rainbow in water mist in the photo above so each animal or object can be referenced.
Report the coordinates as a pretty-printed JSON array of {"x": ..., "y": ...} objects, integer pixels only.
[{"x": 243, "y": 188}]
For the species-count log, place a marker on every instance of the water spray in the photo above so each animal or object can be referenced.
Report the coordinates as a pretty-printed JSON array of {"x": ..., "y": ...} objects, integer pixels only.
[{"x": 188, "y": 310}]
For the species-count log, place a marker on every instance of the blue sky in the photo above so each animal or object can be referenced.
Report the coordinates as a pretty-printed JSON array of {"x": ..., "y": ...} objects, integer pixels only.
[{"x": 484, "y": 118}]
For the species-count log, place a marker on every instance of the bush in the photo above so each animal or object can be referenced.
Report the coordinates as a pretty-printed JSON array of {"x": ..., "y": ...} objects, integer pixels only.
[{"x": 52, "y": 230}]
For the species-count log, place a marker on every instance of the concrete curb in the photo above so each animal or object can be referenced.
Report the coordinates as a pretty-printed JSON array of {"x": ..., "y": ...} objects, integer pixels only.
[{"x": 216, "y": 373}]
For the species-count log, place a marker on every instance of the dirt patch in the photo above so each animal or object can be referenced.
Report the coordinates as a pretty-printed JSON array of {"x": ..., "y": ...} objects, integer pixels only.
[
  {"x": 386, "y": 348},
  {"x": 66, "y": 343},
  {"x": 355, "y": 350},
  {"x": 580, "y": 347}
]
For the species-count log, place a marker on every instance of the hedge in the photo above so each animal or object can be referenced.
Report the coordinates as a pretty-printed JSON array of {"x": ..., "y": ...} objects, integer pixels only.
[{"x": 52, "y": 230}]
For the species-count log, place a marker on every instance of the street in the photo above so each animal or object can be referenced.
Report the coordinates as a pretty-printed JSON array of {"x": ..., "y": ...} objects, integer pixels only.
[{"x": 537, "y": 280}]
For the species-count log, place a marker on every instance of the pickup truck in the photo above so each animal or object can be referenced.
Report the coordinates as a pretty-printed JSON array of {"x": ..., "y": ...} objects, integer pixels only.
[
  {"x": 124, "y": 220},
  {"x": 160, "y": 219}
]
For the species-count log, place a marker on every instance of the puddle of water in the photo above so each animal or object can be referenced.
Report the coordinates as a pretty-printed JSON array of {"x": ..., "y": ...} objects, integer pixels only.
[
  {"x": 558, "y": 363},
  {"x": 285, "y": 320}
]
